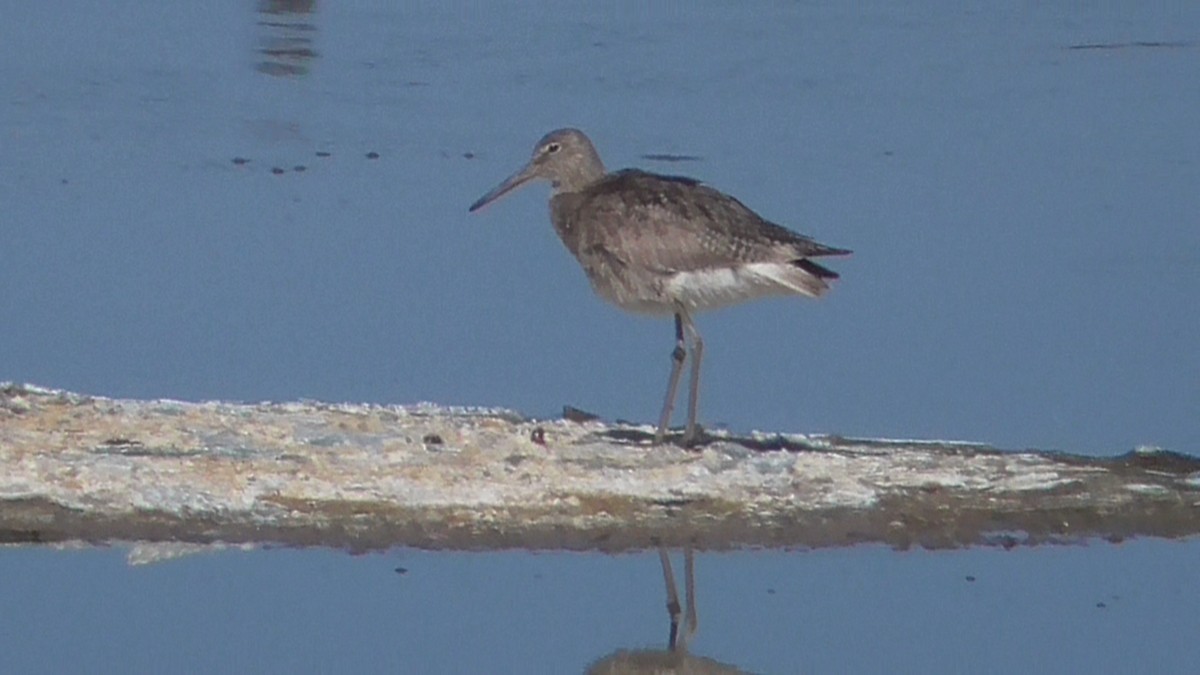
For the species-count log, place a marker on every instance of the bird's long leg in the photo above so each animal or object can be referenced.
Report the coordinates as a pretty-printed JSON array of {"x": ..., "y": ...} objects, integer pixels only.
[
  {"x": 677, "y": 357},
  {"x": 691, "y": 433},
  {"x": 673, "y": 608}
]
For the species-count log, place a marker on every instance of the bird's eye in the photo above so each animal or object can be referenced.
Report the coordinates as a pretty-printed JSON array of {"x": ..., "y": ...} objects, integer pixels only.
[{"x": 553, "y": 147}]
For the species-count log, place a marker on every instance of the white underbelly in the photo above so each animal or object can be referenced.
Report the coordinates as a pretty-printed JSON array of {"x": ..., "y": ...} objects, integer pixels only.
[
  {"x": 720, "y": 287},
  {"x": 701, "y": 290}
]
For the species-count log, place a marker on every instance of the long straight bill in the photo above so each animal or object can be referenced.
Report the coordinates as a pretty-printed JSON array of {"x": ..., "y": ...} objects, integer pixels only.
[{"x": 511, "y": 183}]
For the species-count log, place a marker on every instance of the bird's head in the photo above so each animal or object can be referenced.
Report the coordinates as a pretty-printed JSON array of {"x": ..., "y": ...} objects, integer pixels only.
[{"x": 565, "y": 157}]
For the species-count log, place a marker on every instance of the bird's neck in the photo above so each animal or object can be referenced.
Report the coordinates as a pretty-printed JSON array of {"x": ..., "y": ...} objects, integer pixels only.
[{"x": 578, "y": 179}]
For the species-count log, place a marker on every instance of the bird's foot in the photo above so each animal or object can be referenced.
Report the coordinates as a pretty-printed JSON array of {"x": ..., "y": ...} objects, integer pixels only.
[{"x": 690, "y": 438}]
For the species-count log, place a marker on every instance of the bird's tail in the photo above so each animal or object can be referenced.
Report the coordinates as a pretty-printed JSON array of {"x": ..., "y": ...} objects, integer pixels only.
[
  {"x": 801, "y": 276},
  {"x": 819, "y": 271}
]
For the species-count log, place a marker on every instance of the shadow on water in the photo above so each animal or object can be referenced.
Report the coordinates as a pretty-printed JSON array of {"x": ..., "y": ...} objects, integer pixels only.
[
  {"x": 675, "y": 658},
  {"x": 286, "y": 41}
]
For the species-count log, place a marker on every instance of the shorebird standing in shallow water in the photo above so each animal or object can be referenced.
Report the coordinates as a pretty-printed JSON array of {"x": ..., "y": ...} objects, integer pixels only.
[{"x": 666, "y": 245}]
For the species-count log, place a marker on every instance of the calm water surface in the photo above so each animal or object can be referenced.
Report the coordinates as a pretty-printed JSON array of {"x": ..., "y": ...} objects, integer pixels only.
[
  {"x": 268, "y": 201},
  {"x": 1128, "y": 608}
]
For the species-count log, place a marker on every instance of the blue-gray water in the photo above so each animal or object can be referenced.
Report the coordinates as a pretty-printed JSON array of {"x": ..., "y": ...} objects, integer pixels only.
[
  {"x": 1088, "y": 610},
  {"x": 1019, "y": 185}
]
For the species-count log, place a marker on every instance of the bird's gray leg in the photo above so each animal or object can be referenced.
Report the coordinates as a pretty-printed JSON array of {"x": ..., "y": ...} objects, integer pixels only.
[
  {"x": 692, "y": 433},
  {"x": 677, "y": 357},
  {"x": 673, "y": 608}
]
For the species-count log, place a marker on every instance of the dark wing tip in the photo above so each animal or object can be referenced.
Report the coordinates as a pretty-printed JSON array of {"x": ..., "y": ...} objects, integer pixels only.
[
  {"x": 822, "y": 249},
  {"x": 814, "y": 269}
]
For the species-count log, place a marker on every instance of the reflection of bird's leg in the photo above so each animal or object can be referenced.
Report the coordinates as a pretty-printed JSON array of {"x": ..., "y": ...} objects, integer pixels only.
[
  {"x": 691, "y": 433},
  {"x": 689, "y": 581},
  {"x": 673, "y": 609},
  {"x": 677, "y": 357}
]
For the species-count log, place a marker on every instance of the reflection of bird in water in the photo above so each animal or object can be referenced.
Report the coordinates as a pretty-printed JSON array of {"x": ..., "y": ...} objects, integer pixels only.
[
  {"x": 674, "y": 660},
  {"x": 666, "y": 245},
  {"x": 288, "y": 34}
]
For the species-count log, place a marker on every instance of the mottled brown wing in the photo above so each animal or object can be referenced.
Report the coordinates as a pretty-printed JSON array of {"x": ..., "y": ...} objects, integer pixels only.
[{"x": 678, "y": 224}]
